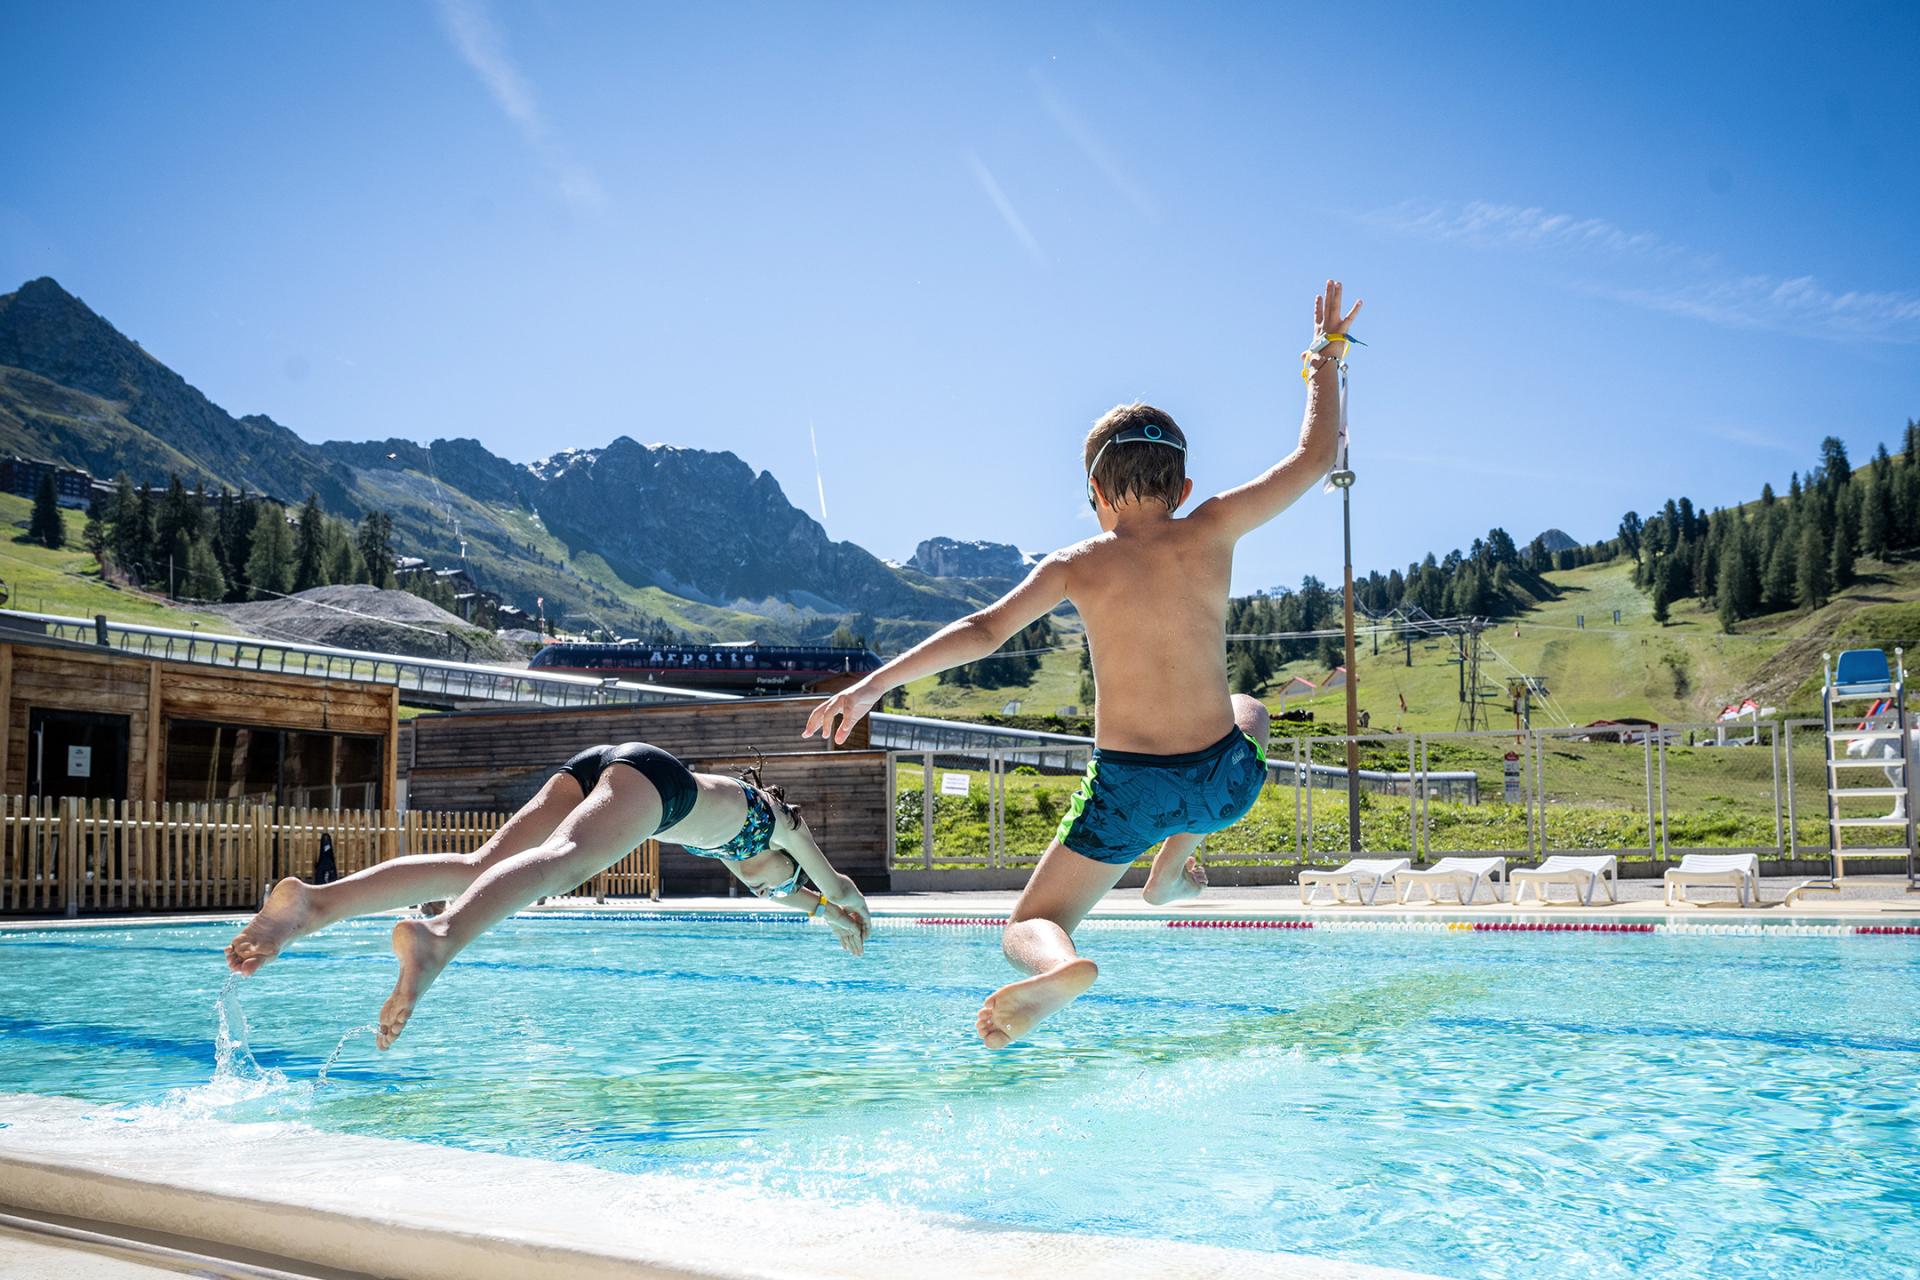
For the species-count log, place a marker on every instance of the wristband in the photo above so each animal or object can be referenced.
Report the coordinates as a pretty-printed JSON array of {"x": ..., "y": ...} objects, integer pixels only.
[
  {"x": 1320, "y": 343},
  {"x": 818, "y": 904}
]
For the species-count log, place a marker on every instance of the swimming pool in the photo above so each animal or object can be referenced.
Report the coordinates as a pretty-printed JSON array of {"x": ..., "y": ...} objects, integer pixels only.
[{"x": 1494, "y": 1104}]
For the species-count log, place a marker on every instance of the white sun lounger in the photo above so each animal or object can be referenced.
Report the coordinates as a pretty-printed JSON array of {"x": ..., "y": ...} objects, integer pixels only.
[
  {"x": 1367, "y": 872},
  {"x": 1464, "y": 874},
  {"x": 1584, "y": 872},
  {"x": 1737, "y": 871}
]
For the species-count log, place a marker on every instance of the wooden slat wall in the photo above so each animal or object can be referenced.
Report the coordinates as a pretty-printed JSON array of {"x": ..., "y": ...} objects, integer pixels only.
[
  {"x": 74, "y": 678},
  {"x": 497, "y": 760},
  {"x": 842, "y": 795}
]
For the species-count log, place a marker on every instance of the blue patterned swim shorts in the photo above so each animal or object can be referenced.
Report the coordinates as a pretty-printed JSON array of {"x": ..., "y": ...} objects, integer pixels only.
[{"x": 1130, "y": 802}]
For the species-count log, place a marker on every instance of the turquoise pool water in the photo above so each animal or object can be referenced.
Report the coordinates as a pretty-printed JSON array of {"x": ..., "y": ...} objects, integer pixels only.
[{"x": 1459, "y": 1104}]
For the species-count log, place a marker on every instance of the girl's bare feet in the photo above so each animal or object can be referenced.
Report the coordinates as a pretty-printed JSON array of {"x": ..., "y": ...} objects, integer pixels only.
[
  {"x": 1017, "y": 1008},
  {"x": 287, "y": 915},
  {"x": 1188, "y": 884},
  {"x": 423, "y": 954}
]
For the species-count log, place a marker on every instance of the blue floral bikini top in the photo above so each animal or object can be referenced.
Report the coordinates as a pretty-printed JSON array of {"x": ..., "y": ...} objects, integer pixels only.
[{"x": 754, "y": 838}]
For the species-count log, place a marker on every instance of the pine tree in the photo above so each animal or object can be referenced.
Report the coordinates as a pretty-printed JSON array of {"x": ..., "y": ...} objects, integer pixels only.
[
  {"x": 204, "y": 579},
  {"x": 1660, "y": 600},
  {"x": 178, "y": 517},
  {"x": 1811, "y": 583},
  {"x": 310, "y": 547},
  {"x": 1873, "y": 515},
  {"x": 344, "y": 563},
  {"x": 375, "y": 540},
  {"x": 1778, "y": 581},
  {"x": 45, "y": 526},
  {"x": 1840, "y": 560},
  {"x": 126, "y": 539},
  {"x": 1766, "y": 495},
  {"x": 270, "y": 561},
  {"x": 94, "y": 535}
]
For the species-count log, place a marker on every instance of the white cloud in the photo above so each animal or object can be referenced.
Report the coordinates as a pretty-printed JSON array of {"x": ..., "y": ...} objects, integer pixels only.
[
  {"x": 1008, "y": 214},
  {"x": 1751, "y": 439},
  {"x": 481, "y": 44},
  {"x": 1646, "y": 270}
]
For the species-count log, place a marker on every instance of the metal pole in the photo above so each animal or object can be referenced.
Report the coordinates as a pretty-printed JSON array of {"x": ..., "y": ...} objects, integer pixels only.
[
  {"x": 1786, "y": 751},
  {"x": 1775, "y": 746},
  {"x": 926, "y": 813},
  {"x": 1299, "y": 846},
  {"x": 1343, "y": 479},
  {"x": 1653, "y": 849},
  {"x": 1662, "y": 749}
]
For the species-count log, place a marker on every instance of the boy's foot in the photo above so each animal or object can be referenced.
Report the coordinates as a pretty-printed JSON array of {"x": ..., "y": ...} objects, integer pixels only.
[
  {"x": 1017, "y": 1008},
  {"x": 423, "y": 954},
  {"x": 1188, "y": 884},
  {"x": 287, "y": 915}
]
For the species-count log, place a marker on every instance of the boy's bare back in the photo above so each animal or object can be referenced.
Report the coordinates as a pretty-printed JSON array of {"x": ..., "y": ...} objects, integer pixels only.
[
  {"x": 1153, "y": 595},
  {"x": 1152, "y": 586}
]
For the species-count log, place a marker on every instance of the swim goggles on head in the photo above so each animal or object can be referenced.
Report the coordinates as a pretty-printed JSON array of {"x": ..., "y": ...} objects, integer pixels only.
[{"x": 1150, "y": 433}]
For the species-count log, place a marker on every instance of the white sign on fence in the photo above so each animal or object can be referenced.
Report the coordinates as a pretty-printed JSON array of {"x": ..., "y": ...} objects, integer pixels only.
[
  {"x": 79, "y": 762},
  {"x": 1511, "y": 775},
  {"x": 954, "y": 784}
]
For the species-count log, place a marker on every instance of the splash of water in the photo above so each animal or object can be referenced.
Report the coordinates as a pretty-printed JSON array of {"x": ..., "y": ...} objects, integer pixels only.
[{"x": 335, "y": 1055}]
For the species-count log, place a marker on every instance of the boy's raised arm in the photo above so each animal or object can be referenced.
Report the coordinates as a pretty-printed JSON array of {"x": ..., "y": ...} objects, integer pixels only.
[
  {"x": 1246, "y": 507},
  {"x": 968, "y": 640}
]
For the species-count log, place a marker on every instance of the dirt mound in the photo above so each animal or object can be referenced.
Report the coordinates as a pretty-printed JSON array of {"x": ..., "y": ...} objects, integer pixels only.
[{"x": 364, "y": 617}]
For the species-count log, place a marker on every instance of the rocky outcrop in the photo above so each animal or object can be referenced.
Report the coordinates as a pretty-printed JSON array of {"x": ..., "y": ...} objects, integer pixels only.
[{"x": 951, "y": 558}]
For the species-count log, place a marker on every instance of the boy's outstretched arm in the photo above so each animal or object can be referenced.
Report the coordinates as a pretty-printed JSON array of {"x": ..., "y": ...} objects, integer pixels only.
[
  {"x": 1242, "y": 509},
  {"x": 968, "y": 640}
]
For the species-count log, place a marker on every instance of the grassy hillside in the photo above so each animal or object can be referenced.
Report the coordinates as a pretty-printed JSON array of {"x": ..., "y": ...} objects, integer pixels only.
[
  {"x": 68, "y": 581},
  {"x": 1685, "y": 670}
]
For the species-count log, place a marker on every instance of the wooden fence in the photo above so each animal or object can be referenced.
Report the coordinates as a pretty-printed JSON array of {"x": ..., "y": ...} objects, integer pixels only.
[{"x": 141, "y": 856}]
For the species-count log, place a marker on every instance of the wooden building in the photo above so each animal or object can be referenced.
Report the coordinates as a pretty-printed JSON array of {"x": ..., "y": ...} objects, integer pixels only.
[
  {"x": 495, "y": 760},
  {"x": 101, "y": 724}
]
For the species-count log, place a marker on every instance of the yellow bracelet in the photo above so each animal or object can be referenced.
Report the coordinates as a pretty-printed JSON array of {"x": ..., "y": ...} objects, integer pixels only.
[{"x": 818, "y": 903}]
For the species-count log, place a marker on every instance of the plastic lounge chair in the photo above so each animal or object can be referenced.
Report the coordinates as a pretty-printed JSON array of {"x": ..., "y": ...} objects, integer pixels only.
[
  {"x": 1584, "y": 872},
  {"x": 1737, "y": 871},
  {"x": 1464, "y": 874},
  {"x": 1370, "y": 872}
]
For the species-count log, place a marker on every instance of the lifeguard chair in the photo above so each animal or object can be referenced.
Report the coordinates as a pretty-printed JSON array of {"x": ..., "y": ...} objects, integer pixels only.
[{"x": 1863, "y": 675}]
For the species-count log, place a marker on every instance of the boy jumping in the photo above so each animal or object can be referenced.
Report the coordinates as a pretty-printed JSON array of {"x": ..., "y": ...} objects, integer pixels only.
[{"x": 1175, "y": 756}]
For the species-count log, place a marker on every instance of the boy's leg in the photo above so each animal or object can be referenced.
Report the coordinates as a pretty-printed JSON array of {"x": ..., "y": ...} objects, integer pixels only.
[
  {"x": 1176, "y": 873},
  {"x": 1065, "y": 886},
  {"x": 295, "y": 908},
  {"x": 623, "y": 810}
]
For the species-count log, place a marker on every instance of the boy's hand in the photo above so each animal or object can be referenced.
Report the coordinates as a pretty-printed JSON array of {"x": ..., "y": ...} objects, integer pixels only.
[
  {"x": 834, "y": 719},
  {"x": 1326, "y": 314}
]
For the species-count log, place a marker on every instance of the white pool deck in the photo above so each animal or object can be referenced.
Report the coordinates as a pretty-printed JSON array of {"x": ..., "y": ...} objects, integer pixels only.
[
  {"x": 99, "y": 1197},
  {"x": 292, "y": 1200}
]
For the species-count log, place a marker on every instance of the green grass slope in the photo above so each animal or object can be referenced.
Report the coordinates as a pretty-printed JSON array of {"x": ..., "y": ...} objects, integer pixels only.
[
  {"x": 1683, "y": 671},
  {"x": 68, "y": 581}
]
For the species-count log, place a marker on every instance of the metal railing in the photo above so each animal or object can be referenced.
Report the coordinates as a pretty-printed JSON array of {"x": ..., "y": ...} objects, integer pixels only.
[
  {"x": 969, "y": 803},
  {"x": 422, "y": 679}
]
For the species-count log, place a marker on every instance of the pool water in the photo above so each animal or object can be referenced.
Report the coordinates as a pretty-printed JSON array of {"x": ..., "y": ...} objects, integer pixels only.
[{"x": 1463, "y": 1104}]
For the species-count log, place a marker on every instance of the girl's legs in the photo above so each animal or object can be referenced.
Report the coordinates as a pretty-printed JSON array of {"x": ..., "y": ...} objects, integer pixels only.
[
  {"x": 623, "y": 810},
  {"x": 294, "y": 908}
]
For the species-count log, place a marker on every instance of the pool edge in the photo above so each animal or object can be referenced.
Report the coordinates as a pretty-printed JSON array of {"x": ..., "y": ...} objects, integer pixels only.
[{"x": 440, "y": 1220}]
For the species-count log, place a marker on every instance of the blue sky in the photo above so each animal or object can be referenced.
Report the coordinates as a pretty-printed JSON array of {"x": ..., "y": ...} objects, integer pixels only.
[{"x": 1610, "y": 253}]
